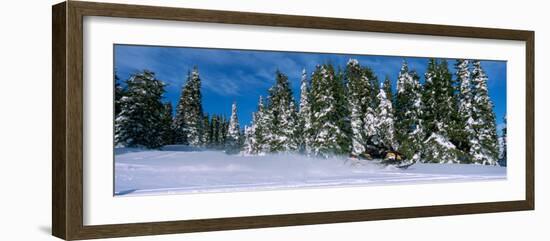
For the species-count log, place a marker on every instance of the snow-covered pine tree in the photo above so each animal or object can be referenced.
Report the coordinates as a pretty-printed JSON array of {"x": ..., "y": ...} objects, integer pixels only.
[
  {"x": 233, "y": 139},
  {"x": 222, "y": 134},
  {"x": 503, "y": 145},
  {"x": 408, "y": 114},
  {"x": 205, "y": 134},
  {"x": 189, "y": 116},
  {"x": 119, "y": 92},
  {"x": 373, "y": 86},
  {"x": 248, "y": 145},
  {"x": 485, "y": 149},
  {"x": 167, "y": 119},
  {"x": 438, "y": 99},
  {"x": 385, "y": 121},
  {"x": 465, "y": 134},
  {"x": 440, "y": 114},
  {"x": 362, "y": 101},
  {"x": 256, "y": 135},
  {"x": 215, "y": 124},
  {"x": 329, "y": 136},
  {"x": 455, "y": 128},
  {"x": 358, "y": 101},
  {"x": 211, "y": 132},
  {"x": 388, "y": 90},
  {"x": 340, "y": 95},
  {"x": 304, "y": 117},
  {"x": 282, "y": 110},
  {"x": 262, "y": 133},
  {"x": 429, "y": 97},
  {"x": 370, "y": 104},
  {"x": 139, "y": 122}
]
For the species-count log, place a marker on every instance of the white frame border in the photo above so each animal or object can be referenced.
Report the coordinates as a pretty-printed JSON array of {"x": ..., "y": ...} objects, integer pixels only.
[{"x": 100, "y": 207}]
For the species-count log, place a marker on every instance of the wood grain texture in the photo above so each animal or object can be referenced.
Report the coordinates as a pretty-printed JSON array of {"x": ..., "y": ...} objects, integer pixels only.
[
  {"x": 59, "y": 182},
  {"x": 530, "y": 120},
  {"x": 74, "y": 110},
  {"x": 280, "y": 20},
  {"x": 122, "y": 230},
  {"x": 67, "y": 136}
]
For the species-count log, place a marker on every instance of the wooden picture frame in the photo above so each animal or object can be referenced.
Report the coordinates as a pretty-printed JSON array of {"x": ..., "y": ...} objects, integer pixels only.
[{"x": 67, "y": 124}]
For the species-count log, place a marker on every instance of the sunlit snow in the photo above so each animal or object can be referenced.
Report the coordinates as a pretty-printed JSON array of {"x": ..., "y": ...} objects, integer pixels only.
[{"x": 180, "y": 170}]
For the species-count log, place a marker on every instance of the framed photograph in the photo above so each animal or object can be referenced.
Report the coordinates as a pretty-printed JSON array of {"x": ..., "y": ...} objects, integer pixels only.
[{"x": 171, "y": 120}]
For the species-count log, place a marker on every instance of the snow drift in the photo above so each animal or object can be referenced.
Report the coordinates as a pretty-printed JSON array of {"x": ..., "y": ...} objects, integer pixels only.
[{"x": 179, "y": 170}]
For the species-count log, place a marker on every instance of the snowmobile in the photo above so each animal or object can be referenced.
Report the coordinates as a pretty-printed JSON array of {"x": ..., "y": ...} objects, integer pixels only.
[
  {"x": 375, "y": 150},
  {"x": 396, "y": 159},
  {"x": 386, "y": 157}
]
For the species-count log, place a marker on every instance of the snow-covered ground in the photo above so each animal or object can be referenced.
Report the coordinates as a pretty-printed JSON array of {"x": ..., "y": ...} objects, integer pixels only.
[{"x": 178, "y": 170}]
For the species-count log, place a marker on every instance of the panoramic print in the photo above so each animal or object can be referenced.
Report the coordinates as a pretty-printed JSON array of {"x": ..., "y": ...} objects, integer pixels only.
[{"x": 198, "y": 120}]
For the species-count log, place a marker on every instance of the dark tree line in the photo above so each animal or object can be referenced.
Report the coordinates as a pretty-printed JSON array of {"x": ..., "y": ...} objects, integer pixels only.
[{"x": 144, "y": 120}]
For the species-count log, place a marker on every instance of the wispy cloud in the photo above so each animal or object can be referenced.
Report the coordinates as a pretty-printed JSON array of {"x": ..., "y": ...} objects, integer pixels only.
[
  {"x": 223, "y": 87},
  {"x": 237, "y": 75}
]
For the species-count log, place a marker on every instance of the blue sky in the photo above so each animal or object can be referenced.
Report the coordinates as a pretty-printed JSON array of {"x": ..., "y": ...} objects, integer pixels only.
[{"x": 244, "y": 75}]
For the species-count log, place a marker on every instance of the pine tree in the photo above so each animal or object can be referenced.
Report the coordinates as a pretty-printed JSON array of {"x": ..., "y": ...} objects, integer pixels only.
[
  {"x": 408, "y": 114},
  {"x": 215, "y": 129},
  {"x": 139, "y": 123},
  {"x": 503, "y": 145},
  {"x": 223, "y": 131},
  {"x": 256, "y": 135},
  {"x": 358, "y": 101},
  {"x": 385, "y": 121},
  {"x": 465, "y": 130},
  {"x": 261, "y": 132},
  {"x": 233, "y": 139},
  {"x": 388, "y": 90},
  {"x": 440, "y": 114},
  {"x": 249, "y": 141},
  {"x": 438, "y": 99},
  {"x": 167, "y": 119},
  {"x": 188, "y": 122},
  {"x": 370, "y": 130},
  {"x": 430, "y": 108},
  {"x": 454, "y": 128},
  {"x": 211, "y": 132},
  {"x": 206, "y": 132},
  {"x": 119, "y": 93},
  {"x": 282, "y": 110},
  {"x": 304, "y": 117},
  {"x": 373, "y": 87},
  {"x": 484, "y": 150},
  {"x": 329, "y": 134},
  {"x": 362, "y": 101},
  {"x": 342, "y": 110}
]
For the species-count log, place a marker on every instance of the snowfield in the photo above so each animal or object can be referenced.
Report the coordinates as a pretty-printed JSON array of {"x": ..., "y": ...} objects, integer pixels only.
[{"x": 180, "y": 170}]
